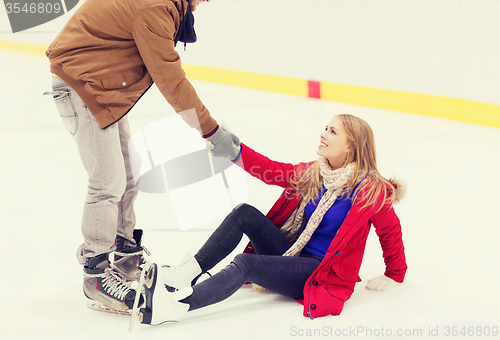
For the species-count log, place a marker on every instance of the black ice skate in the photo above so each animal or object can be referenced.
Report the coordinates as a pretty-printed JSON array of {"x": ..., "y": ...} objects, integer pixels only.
[
  {"x": 129, "y": 260},
  {"x": 107, "y": 289}
]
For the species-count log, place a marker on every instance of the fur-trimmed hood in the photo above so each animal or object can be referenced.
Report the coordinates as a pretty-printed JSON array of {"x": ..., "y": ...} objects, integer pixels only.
[{"x": 399, "y": 189}]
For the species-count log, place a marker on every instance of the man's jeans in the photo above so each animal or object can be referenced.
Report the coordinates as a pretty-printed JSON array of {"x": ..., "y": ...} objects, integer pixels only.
[
  {"x": 282, "y": 274},
  {"x": 108, "y": 209}
]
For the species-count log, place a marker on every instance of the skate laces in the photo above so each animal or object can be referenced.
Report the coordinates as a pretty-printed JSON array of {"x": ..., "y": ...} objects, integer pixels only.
[{"x": 113, "y": 284}]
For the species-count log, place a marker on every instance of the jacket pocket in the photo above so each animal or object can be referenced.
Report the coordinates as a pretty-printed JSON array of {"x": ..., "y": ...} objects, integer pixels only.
[
  {"x": 345, "y": 273},
  {"x": 122, "y": 80},
  {"x": 340, "y": 286}
]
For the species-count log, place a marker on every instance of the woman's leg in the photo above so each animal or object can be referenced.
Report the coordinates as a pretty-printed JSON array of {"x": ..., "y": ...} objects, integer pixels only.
[
  {"x": 244, "y": 219},
  {"x": 268, "y": 268},
  {"x": 285, "y": 275}
]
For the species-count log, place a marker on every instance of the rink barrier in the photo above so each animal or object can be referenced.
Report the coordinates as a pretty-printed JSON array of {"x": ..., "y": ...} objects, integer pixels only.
[
  {"x": 23, "y": 47},
  {"x": 424, "y": 104}
]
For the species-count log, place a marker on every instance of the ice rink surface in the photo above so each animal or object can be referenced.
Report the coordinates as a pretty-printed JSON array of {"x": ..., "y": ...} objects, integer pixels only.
[{"x": 449, "y": 216}]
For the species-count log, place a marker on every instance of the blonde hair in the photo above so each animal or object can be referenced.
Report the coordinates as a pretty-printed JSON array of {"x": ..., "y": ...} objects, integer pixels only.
[{"x": 360, "y": 138}]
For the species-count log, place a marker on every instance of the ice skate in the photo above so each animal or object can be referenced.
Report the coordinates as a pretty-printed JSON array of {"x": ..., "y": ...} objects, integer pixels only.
[
  {"x": 161, "y": 306},
  {"x": 181, "y": 275},
  {"x": 129, "y": 260},
  {"x": 106, "y": 289},
  {"x": 135, "y": 311}
]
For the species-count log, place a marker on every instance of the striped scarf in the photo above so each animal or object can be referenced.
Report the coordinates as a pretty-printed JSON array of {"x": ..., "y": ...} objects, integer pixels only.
[{"x": 335, "y": 182}]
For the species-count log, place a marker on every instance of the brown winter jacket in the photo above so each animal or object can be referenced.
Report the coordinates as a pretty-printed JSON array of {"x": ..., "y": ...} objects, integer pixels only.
[{"x": 110, "y": 52}]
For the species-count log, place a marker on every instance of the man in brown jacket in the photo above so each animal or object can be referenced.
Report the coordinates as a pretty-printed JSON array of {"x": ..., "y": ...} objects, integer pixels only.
[{"x": 105, "y": 58}]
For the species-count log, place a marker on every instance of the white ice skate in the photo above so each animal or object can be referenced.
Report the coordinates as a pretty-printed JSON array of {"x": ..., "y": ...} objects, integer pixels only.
[
  {"x": 181, "y": 275},
  {"x": 160, "y": 305},
  {"x": 135, "y": 309}
]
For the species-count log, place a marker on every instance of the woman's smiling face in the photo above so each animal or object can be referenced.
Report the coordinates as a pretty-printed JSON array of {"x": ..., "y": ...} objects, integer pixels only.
[{"x": 333, "y": 144}]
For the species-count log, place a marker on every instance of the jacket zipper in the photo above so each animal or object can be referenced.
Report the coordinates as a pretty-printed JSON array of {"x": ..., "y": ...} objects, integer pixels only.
[{"x": 309, "y": 314}]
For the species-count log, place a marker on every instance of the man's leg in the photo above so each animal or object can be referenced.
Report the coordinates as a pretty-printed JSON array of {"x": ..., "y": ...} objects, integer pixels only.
[
  {"x": 126, "y": 214},
  {"x": 129, "y": 252},
  {"x": 101, "y": 155}
]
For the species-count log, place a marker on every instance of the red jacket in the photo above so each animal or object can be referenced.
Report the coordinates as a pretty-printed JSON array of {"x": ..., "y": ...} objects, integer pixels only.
[{"x": 332, "y": 283}]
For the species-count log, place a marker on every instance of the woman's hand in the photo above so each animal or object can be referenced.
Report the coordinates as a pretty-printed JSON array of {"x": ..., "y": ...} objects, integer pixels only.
[{"x": 381, "y": 283}]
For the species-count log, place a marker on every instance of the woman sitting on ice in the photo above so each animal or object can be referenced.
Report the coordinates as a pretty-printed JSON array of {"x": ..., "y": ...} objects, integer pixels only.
[{"x": 311, "y": 243}]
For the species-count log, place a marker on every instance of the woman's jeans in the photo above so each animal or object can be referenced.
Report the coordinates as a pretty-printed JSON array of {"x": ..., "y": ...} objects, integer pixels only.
[
  {"x": 108, "y": 209},
  {"x": 281, "y": 274}
]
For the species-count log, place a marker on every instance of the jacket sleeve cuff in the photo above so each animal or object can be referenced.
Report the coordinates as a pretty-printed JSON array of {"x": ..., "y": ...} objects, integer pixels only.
[
  {"x": 239, "y": 159},
  {"x": 211, "y": 133}
]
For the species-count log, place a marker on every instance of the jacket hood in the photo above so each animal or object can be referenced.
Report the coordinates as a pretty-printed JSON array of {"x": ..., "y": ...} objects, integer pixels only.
[{"x": 399, "y": 189}]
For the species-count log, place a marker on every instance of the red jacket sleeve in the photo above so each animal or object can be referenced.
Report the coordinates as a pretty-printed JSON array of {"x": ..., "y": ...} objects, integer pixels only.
[
  {"x": 388, "y": 229},
  {"x": 269, "y": 171}
]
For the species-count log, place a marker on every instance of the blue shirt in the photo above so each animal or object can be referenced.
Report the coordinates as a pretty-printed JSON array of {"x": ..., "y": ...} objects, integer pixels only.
[{"x": 329, "y": 226}]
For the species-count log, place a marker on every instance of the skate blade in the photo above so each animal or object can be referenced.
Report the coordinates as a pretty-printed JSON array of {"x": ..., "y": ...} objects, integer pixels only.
[
  {"x": 94, "y": 305},
  {"x": 140, "y": 288}
]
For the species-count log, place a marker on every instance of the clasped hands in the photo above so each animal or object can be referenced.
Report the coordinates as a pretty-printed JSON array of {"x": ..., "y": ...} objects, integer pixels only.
[{"x": 224, "y": 143}]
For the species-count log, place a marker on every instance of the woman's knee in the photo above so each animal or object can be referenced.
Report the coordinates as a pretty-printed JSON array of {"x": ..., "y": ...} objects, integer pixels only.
[
  {"x": 243, "y": 261},
  {"x": 243, "y": 208},
  {"x": 246, "y": 217},
  {"x": 247, "y": 211}
]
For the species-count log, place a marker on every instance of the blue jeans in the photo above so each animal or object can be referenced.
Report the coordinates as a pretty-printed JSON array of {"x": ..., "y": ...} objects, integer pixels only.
[{"x": 281, "y": 274}]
